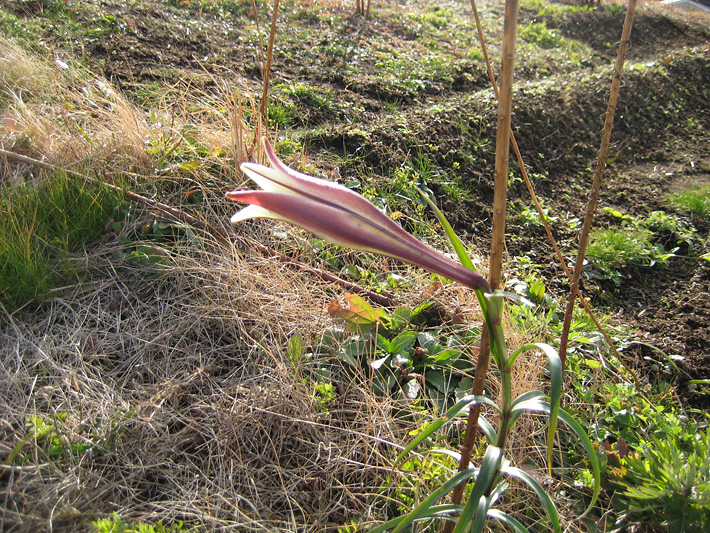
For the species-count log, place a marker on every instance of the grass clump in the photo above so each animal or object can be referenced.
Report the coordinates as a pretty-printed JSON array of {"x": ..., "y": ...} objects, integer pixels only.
[
  {"x": 611, "y": 250},
  {"x": 41, "y": 224},
  {"x": 667, "y": 485},
  {"x": 116, "y": 524},
  {"x": 538, "y": 33},
  {"x": 694, "y": 200}
]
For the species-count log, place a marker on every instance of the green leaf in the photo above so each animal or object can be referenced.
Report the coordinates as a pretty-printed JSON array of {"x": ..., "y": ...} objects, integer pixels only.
[
  {"x": 508, "y": 520},
  {"x": 555, "y": 388},
  {"x": 448, "y": 417},
  {"x": 488, "y": 430},
  {"x": 355, "y": 311},
  {"x": 455, "y": 241},
  {"x": 403, "y": 342},
  {"x": 569, "y": 421},
  {"x": 537, "y": 291},
  {"x": 490, "y": 467},
  {"x": 530, "y": 395},
  {"x": 437, "y": 380},
  {"x": 538, "y": 489},
  {"x": 479, "y": 522},
  {"x": 423, "y": 509},
  {"x": 446, "y": 355}
]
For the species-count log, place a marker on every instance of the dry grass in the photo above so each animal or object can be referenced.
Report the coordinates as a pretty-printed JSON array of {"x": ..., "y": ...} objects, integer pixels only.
[
  {"x": 177, "y": 376},
  {"x": 180, "y": 379}
]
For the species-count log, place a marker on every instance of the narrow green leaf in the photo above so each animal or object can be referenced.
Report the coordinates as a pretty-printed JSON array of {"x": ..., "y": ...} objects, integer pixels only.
[
  {"x": 585, "y": 441},
  {"x": 479, "y": 521},
  {"x": 530, "y": 395},
  {"x": 508, "y": 520},
  {"x": 444, "y": 511},
  {"x": 555, "y": 388},
  {"x": 422, "y": 510},
  {"x": 448, "y": 417},
  {"x": 556, "y": 370},
  {"x": 490, "y": 467},
  {"x": 450, "y": 233},
  {"x": 532, "y": 404},
  {"x": 539, "y": 490},
  {"x": 488, "y": 430}
]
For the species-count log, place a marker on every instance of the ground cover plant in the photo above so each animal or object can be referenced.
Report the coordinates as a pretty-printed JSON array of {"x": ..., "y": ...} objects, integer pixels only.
[{"x": 164, "y": 370}]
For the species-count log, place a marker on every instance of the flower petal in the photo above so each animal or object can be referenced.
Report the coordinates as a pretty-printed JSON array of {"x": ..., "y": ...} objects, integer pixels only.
[{"x": 253, "y": 211}]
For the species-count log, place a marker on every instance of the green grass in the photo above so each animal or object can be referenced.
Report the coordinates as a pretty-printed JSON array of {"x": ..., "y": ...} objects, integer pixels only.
[
  {"x": 694, "y": 200},
  {"x": 116, "y": 524},
  {"x": 618, "y": 247},
  {"x": 538, "y": 33},
  {"x": 40, "y": 225}
]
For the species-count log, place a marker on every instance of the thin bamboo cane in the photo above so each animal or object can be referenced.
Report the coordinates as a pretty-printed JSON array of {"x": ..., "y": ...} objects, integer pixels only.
[
  {"x": 482, "y": 367},
  {"x": 479, "y": 381},
  {"x": 598, "y": 172},
  {"x": 500, "y": 196},
  {"x": 267, "y": 68}
]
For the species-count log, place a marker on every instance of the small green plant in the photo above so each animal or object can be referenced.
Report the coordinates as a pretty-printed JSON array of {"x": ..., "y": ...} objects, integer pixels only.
[
  {"x": 530, "y": 215},
  {"x": 667, "y": 483},
  {"x": 611, "y": 250},
  {"x": 50, "y": 438},
  {"x": 400, "y": 356},
  {"x": 693, "y": 200},
  {"x": 538, "y": 33},
  {"x": 115, "y": 524},
  {"x": 321, "y": 100}
]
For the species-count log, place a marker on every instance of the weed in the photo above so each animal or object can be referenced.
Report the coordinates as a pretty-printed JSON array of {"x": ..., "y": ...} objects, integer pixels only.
[
  {"x": 399, "y": 356},
  {"x": 667, "y": 483},
  {"x": 436, "y": 18},
  {"x": 611, "y": 250},
  {"x": 529, "y": 215},
  {"x": 116, "y": 524},
  {"x": 54, "y": 439},
  {"x": 322, "y": 101},
  {"x": 538, "y": 33},
  {"x": 694, "y": 200}
]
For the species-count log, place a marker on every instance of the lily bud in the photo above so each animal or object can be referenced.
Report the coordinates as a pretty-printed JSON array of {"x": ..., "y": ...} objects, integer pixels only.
[{"x": 339, "y": 215}]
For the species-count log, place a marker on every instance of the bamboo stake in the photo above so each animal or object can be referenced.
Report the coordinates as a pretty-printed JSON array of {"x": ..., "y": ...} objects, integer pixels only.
[
  {"x": 598, "y": 172},
  {"x": 500, "y": 196},
  {"x": 479, "y": 385},
  {"x": 267, "y": 69}
]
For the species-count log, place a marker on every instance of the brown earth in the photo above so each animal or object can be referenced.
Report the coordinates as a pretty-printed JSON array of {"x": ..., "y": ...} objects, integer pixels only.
[{"x": 659, "y": 142}]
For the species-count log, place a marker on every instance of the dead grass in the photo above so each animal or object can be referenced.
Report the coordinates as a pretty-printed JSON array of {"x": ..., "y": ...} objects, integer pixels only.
[{"x": 179, "y": 379}]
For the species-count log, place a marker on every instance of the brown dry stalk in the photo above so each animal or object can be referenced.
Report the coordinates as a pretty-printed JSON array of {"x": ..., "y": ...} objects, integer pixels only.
[
  {"x": 598, "y": 172},
  {"x": 500, "y": 199},
  {"x": 219, "y": 233},
  {"x": 266, "y": 73}
]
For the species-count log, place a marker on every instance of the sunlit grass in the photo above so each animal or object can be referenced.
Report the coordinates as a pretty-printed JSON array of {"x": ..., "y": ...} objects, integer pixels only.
[
  {"x": 694, "y": 200},
  {"x": 40, "y": 225}
]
